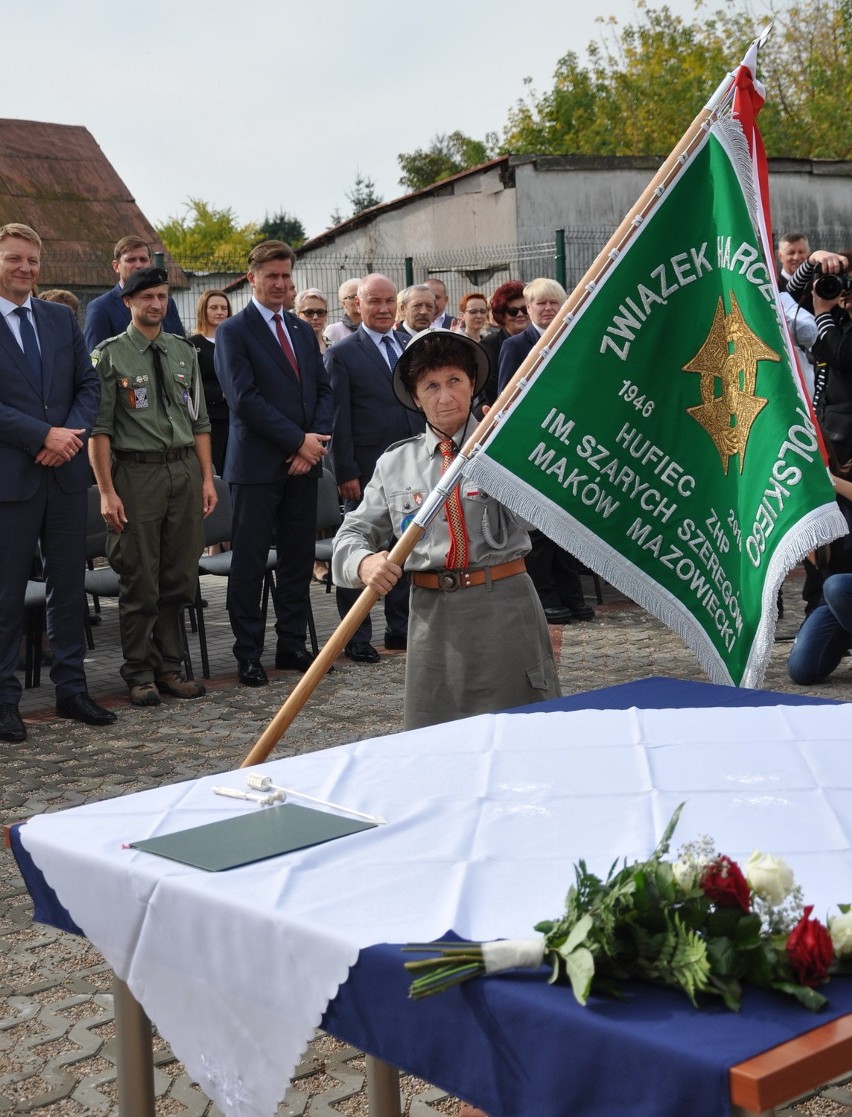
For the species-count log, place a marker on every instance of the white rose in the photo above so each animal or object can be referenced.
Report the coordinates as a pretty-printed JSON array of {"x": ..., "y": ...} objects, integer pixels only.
[
  {"x": 840, "y": 929},
  {"x": 685, "y": 875},
  {"x": 769, "y": 876}
]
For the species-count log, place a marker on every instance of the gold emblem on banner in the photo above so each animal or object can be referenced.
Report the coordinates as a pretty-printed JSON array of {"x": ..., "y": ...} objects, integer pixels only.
[{"x": 729, "y": 355}]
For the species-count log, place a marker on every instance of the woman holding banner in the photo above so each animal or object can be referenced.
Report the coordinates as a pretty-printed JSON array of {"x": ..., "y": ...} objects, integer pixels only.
[{"x": 477, "y": 637}]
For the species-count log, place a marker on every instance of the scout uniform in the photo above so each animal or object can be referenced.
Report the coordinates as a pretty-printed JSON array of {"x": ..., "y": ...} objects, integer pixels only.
[
  {"x": 152, "y": 407},
  {"x": 461, "y": 623}
]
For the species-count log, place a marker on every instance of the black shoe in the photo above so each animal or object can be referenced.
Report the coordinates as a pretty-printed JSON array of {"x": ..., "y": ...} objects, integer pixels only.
[
  {"x": 94, "y": 619},
  {"x": 81, "y": 707},
  {"x": 558, "y": 615},
  {"x": 251, "y": 672},
  {"x": 362, "y": 652},
  {"x": 11, "y": 726},
  {"x": 580, "y": 611},
  {"x": 293, "y": 661},
  {"x": 395, "y": 641}
]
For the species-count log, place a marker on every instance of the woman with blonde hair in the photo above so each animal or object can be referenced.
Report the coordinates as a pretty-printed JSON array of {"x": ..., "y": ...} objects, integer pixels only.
[
  {"x": 212, "y": 309},
  {"x": 312, "y": 307}
]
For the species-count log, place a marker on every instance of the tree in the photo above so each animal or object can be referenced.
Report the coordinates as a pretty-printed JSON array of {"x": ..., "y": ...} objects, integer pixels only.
[
  {"x": 445, "y": 156},
  {"x": 283, "y": 226},
  {"x": 646, "y": 80},
  {"x": 206, "y": 235},
  {"x": 363, "y": 195}
]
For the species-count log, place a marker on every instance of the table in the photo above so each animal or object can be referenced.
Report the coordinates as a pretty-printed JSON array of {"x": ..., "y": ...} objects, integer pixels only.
[{"x": 465, "y": 1041}]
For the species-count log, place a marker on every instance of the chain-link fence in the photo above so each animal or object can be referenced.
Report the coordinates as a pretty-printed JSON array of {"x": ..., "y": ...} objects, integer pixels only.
[{"x": 566, "y": 258}]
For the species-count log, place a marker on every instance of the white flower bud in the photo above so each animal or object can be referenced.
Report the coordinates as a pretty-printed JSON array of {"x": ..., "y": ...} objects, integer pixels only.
[
  {"x": 685, "y": 875},
  {"x": 769, "y": 876},
  {"x": 840, "y": 929}
]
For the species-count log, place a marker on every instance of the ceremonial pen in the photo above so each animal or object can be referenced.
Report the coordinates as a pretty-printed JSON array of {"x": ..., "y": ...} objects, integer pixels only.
[
  {"x": 264, "y": 783},
  {"x": 236, "y": 793}
]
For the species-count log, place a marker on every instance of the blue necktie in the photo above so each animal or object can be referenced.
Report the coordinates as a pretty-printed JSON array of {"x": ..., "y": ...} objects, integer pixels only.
[
  {"x": 391, "y": 352},
  {"x": 31, "y": 349}
]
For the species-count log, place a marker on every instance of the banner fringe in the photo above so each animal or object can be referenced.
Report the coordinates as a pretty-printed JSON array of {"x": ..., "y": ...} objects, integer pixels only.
[{"x": 819, "y": 526}]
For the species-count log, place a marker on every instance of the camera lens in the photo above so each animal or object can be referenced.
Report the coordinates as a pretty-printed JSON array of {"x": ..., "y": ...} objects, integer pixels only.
[{"x": 829, "y": 286}]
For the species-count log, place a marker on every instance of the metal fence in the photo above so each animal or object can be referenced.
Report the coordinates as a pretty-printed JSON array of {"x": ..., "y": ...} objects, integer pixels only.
[{"x": 566, "y": 257}]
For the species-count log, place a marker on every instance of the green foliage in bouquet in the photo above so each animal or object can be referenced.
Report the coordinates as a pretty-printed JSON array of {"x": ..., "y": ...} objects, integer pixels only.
[{"x": 698, "y": 924}]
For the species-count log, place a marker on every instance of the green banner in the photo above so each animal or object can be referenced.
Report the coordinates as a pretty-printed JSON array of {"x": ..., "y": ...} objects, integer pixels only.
[{"x": 664, "y": 440}]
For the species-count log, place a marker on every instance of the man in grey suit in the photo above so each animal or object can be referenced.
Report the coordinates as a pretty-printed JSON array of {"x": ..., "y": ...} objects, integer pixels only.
[
  {"x": 367, "y": 419},
  {"x": 49, "y": 395},
  {"x": 274, "y": 381}
]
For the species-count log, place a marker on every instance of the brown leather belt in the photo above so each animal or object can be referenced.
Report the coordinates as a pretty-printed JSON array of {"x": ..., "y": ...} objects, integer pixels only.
[
  {"x": 142, "y": 458},
  {"x": 451, "y": 580}
]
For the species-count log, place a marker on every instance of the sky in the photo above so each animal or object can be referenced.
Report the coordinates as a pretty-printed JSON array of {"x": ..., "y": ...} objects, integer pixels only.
[{"x": 262, "y": 107}]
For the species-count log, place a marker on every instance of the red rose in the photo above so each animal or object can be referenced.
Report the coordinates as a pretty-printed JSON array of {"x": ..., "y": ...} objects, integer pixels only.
[
  {"x": 724, "y": 883},
  {"x": 810, "y": 950}
]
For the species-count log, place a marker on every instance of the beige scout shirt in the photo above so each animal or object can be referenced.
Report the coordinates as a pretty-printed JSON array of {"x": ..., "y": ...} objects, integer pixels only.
[
  {"x": 405, "y": 474},
  {"x": 131, "y": 411}
]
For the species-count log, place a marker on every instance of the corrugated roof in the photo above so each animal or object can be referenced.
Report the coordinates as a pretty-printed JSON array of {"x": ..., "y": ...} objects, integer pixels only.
[{"x": 55, "y": 178}]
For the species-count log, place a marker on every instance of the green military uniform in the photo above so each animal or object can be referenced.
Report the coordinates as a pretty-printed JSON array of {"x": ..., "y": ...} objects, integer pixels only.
[{"x": 148, "y": 417}]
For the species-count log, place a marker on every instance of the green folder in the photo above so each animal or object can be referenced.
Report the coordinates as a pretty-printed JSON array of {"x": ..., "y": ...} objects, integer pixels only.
[{"x": 259, "y": 833}]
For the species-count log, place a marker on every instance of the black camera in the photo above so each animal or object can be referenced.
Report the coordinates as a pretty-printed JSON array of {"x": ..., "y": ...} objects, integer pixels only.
[{"x": 831, "y": 286}]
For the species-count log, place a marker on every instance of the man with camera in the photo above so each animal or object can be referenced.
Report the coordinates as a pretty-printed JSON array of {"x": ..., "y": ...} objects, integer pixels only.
[{"x": 825, "y": 275}]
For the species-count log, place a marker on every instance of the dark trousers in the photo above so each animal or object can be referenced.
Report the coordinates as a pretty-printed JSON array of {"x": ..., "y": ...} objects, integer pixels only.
[
  {"x": 395, "y": 603},
  {"x": 156, "y": 559},
  {"x": 553, "y": 572},
  {"x": 57, "y": 521},
  {"x": 285, "y": 511}
]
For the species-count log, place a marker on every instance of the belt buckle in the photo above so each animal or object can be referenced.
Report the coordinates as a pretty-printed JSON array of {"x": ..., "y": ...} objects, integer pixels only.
[
  {"x": 449, "y": 581},
  {"x": 171, "y": 455}
]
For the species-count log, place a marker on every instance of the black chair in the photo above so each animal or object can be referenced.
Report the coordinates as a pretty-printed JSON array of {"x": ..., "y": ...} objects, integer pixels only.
[
  {"x": 217, "y": 529},
  {"x": 329, "y": 519},
  {"x": 35, "y": 605}
]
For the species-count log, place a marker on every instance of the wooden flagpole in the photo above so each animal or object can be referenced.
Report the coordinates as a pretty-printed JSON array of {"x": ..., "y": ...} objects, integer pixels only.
[{"x": 406, "y": 544}]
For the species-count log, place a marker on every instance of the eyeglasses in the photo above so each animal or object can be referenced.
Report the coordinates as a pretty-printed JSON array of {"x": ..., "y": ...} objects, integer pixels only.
[
  {"x": 514, "y": 311},
  {"x": 314, "y": 313},
  {"x": 476, "y": 310}
]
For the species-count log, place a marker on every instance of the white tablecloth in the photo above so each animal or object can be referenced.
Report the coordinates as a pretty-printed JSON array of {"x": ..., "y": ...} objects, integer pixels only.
[{"x": 486, "y": 820}]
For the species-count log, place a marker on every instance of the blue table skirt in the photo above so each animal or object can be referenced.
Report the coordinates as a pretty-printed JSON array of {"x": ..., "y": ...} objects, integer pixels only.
[{"x": 517, "y": 1047}]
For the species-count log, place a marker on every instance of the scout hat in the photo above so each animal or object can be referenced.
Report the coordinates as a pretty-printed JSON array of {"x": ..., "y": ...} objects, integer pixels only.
[{"x": 400, "y": 373}]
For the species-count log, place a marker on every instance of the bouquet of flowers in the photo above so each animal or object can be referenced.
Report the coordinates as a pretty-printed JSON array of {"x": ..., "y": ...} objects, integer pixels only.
[{"x": 699, "y": 923}]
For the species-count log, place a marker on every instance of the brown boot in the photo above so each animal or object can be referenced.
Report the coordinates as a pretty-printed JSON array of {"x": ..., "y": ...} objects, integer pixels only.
[
  {"x": 145, "y": 694},
  {"x": 174, "y": 683}
]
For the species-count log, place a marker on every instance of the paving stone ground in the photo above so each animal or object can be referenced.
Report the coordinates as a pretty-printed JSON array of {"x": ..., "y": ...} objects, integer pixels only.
[{"x": 57, "y": 1046}]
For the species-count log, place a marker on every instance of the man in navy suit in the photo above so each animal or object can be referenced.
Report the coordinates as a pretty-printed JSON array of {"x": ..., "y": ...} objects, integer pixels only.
[
  {"x": 272, "y": 375},
  {"x": 49, "y": 395},
  {"x": 367, "y": 419},
  {"x": 552, "y": 570},
  {"x": 108, "y": 315}
]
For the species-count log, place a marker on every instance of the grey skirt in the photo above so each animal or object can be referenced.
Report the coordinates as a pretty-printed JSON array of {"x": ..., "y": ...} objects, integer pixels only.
[{"x": 475, "y": 651}]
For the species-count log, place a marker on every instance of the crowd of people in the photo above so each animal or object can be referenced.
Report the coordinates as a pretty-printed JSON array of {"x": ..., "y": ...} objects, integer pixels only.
[
  {"x": 816, "y": 297},
  {"x": 267, "y": 398},
  {"x": 270, "y": 397}
]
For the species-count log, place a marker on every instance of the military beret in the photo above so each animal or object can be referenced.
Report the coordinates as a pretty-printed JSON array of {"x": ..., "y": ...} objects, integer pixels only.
[{"x": 144, "y": 279}]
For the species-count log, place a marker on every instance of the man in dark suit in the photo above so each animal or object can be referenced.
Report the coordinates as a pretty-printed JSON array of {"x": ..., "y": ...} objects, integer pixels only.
[
  {"x": 272, "y": 375},
  {"x": 49, "y": 395},
  {"x": 367, "y": 419},
  {"x": 107, "y": 315},
  {"x": 553, "y": 571},
  {"x": 443, "y": 321}
]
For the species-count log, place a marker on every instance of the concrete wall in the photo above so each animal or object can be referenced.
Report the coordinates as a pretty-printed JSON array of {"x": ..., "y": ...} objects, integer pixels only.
[{"x": 524, "y": 199}]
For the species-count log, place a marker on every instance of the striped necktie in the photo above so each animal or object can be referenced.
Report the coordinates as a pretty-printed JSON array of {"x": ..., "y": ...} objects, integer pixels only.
[{"x": 457, "y": 555}]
